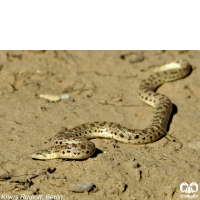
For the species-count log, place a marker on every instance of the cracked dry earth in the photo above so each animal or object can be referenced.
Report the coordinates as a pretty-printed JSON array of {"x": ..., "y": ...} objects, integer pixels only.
[{"x": 103, "y": 87}]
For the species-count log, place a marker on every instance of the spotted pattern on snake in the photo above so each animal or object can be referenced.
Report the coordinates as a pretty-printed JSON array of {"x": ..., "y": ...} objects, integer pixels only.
[{"x": 72, "y": 143}]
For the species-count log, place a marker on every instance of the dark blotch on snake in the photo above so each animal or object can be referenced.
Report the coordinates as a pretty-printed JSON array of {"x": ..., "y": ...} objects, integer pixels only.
[
  {"x": 102, "y": 124},
  {"x": 74, "y": 145},
  {"x": 144, "y": 131},
  {"x": 137, "y": 136}
]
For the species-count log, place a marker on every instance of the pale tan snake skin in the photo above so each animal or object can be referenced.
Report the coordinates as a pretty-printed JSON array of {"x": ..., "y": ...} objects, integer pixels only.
[{"x": 71, "y": 143}]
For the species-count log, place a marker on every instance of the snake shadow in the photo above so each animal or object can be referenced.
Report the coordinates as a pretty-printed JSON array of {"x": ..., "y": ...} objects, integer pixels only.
[{"x": 98, "y": 151}]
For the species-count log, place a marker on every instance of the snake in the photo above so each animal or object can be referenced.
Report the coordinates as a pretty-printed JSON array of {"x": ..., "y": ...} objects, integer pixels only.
[{"x": 73, "y": 143}]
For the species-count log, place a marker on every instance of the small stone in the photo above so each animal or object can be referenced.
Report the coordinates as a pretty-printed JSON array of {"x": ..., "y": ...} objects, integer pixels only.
[
  {"x": 51, "y": 98},
  {"x": 82, "y": 187},
  {"x": 67, "y": 97}
]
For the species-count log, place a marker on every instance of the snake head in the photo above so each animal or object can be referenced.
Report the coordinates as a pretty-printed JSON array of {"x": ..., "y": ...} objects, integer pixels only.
[{"x": 43, "y": 154}]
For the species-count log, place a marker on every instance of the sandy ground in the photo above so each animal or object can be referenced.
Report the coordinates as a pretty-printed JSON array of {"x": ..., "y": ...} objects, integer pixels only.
[{"x": 122, "y": 171}]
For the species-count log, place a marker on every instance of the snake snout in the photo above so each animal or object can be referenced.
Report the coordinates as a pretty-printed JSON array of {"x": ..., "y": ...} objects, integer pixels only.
[{"x": 41, "y": 154}]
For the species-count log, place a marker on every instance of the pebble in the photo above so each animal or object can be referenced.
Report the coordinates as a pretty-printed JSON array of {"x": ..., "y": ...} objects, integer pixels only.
[
  {"x": 49, "y": 97},
  {"x": 55, "y": 98},
  {"x": 67, "y": 97},
  {"x": 82, "y": 187}
]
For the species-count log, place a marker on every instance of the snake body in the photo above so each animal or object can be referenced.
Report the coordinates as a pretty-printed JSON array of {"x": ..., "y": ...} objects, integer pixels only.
[{"x": 72, "y": 143}]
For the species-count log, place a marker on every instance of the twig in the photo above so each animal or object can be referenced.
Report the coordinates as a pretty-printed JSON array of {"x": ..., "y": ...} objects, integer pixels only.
[
  {"x": 112, "y": 104},
  {"x": 2, "y": 163}
]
